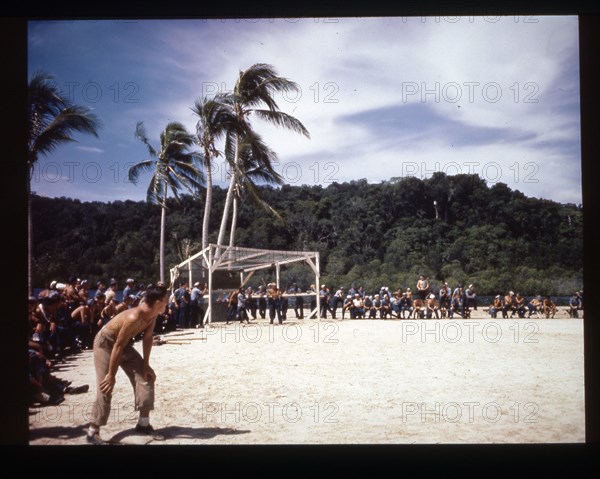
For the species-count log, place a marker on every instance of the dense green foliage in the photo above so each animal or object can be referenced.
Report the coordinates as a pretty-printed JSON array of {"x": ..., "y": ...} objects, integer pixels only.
[{"x": 367, "y": 234}]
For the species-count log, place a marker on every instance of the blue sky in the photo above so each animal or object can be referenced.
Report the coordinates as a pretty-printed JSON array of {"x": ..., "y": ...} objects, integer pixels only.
[{"x": 381, "y": 97}]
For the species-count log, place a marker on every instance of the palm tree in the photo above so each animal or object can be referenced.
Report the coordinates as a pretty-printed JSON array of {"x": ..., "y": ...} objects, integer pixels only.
[
  {"x": 215, "y": 118},
  {"x": 173, "y": 166},
  {"x": 52, "y": 121},
  {"x": 254, "y": 89},
  {"x": 255, "y": 165}
]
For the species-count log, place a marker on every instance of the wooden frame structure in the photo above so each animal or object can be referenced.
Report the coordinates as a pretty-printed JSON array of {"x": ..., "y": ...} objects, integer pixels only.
[{"x": 245, "y": 261}]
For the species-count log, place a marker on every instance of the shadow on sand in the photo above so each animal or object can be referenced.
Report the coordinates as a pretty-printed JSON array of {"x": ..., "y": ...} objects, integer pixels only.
[
  {"x": 130, "y": 436},
  {"x": 58, "y": 432},
  {"x": 178, "y": 432}
]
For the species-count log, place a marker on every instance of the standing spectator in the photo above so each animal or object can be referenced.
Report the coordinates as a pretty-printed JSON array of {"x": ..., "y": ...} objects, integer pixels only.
[
  {"x": 422, "y": 287},
  {"x": 324, "y": 298},
  {"x": 274, "y": 303},
  {"x": 337, "y": 300},
  {"x": 242, "y": 303},
  {"x": 458, "y": 302},
  {"x": 195, "y": 298},
  {"x": 352, "y": 291},
  {"x": 129, "y": 287},
  {"x": 111, "y": 291},
  {"x": 298, "y": 301},
  {"x": 183, "y": 302},
  {"x": 384, "y": 292}
]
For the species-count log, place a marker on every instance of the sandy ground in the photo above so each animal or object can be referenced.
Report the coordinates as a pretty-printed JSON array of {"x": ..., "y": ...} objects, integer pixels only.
[{"x": 455, "y": 381}]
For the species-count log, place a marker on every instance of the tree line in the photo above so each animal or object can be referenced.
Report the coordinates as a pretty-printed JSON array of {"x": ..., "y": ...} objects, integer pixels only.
[{"x": 452, "y": 228}]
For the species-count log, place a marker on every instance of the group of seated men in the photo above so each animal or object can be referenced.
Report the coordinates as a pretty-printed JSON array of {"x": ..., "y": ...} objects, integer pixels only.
[
  {"x": 446, "y": 304},
  {"x": 400, "y": 304},
  {"x": 539, "y": 306}
]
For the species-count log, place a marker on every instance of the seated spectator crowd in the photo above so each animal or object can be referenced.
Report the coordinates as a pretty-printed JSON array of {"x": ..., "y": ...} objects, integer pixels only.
[
  {"x": 424, "y": 301},
  {"x": 63, "y": 320}
]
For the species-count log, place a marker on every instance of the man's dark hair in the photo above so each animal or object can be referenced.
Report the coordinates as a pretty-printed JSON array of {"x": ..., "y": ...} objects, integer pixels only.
[{"x": 154, "y": 293}]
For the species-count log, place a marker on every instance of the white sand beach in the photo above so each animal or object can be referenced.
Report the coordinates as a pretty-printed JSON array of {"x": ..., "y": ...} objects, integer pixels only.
[{"x": 450, "y": 381}]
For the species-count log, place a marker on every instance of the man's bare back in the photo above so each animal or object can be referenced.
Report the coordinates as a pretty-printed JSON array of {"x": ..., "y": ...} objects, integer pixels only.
[{"x": 133, "y": 321}]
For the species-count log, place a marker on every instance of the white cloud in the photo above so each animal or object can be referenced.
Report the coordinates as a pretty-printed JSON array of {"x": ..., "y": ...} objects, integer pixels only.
[
  {"x": 90, "y": 149},
  {"x": 357, "y": 66}
]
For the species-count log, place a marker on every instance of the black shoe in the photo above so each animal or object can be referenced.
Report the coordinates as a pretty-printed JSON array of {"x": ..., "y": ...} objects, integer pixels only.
[
  {"x": 149, "y": 431},
  {"x": 77, "y": 390},
  {"x": 95, "y": 439}
]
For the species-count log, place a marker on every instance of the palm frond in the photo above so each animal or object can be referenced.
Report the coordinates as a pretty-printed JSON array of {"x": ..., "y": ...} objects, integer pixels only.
[
  {"x": 142, "y": 135},
  {"x": 283, "y": 120},
  {"x": 136, "y": 170},
  {"x": 255, "y": 197},
  {"x": 62, "y": 127}
]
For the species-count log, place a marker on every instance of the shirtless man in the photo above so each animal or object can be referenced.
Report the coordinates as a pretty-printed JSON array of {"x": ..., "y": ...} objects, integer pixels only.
[
  {"x": 113, "y": 347},
  {"x": 422, "y": 287}
]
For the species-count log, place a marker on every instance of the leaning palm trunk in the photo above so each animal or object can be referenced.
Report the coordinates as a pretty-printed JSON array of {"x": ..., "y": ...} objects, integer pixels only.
[
  {"x": 163, "y": 221},
  {"x": 207, "y": 207},
  {"x": 233, "y": 221},
  {"x": 228, "y": 199}
]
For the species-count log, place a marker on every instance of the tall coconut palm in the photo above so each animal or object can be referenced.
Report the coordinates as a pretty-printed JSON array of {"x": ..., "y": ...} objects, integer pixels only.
[
  {"x": 215, "y": 118},
  {"x": 52, "y": 121},
  {"x": 255, "y": 165},
  {"x": 254, "y": 90},
  {"x": 173, "y": 167}
]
